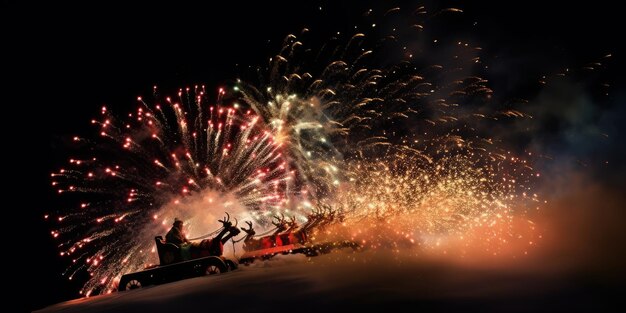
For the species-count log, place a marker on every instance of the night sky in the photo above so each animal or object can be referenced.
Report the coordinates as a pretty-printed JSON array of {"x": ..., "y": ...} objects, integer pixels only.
[{"x": 66, "y": 61}]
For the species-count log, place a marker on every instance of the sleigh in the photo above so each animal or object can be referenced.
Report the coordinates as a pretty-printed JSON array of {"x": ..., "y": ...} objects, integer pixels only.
[{"x": 174, "y": 264}]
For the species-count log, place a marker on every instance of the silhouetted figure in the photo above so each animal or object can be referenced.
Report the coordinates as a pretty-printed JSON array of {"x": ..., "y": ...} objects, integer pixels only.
[{"x": 176, "y": 235}]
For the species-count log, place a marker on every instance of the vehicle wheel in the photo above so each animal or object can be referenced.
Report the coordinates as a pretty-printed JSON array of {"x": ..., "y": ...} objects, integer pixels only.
[
  {"x": 231, "y": 265},
  {"x": 133, "y": 284},
  {"x": 212, "y": 270},
  {"x": 213, "y": 266}
]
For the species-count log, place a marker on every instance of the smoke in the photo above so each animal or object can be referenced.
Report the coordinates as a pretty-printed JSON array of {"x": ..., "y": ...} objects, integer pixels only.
[
  {"x": 574, "y": 136},
  {"x": 202, "y": 211},
  {"x": 583, "y": 224}
]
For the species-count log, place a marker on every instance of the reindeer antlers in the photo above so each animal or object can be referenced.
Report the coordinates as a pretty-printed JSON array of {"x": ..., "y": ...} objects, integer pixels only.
[
  {"x": 226, "y": 219},
  {"x": 292, "y": 222},
  {"x": 249, "y": 229},
  {"x": 279, "y": 221}
]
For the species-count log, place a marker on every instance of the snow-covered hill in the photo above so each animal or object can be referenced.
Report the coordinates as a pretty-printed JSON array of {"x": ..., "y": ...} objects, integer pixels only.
[{"x": 360, "y": 281}]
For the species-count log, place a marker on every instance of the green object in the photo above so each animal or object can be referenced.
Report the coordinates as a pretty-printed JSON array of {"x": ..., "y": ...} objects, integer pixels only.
[{"x": 185, "y": 251}]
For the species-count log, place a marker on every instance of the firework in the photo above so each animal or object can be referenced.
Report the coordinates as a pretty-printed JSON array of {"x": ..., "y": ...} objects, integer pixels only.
[
  {"x": 402, "y": 140},
  {"x": 404, "y": 198},
  {"x": 330, "y": 104},
  {"x": 177, "y": 158},
  {"x": 408, "y": 140}
]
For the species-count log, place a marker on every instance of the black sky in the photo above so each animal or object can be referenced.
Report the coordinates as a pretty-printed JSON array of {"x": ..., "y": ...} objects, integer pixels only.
[{"x": 64, "y": 61}]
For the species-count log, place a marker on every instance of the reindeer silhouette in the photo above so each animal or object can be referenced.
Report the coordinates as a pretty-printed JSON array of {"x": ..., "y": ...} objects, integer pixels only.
[
  {"x": 287, "y": 232},
  {"x": 215, "y": 246}
]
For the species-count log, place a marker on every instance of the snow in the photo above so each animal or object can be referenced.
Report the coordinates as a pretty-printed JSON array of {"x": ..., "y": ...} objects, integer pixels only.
[{"x": 363, "y": 281}]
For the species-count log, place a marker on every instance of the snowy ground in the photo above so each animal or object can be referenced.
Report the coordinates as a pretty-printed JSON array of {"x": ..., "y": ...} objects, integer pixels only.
[{"x": 341, "y": 282}]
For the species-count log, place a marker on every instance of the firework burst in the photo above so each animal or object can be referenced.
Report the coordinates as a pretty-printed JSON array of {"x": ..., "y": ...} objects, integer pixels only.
[
  {"x": 177, "y": 158},
  {"x": 335, "y": 102},
  {"x": 409, "y": 140}
]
